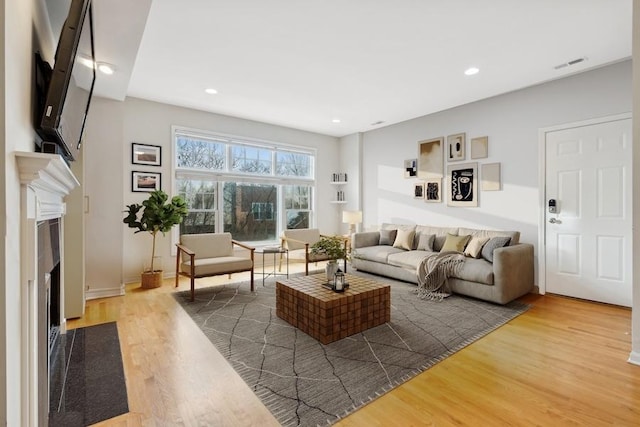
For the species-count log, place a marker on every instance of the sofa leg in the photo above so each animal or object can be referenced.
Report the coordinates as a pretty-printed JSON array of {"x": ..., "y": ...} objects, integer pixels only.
[
  {"x": 193, "y": 289},
  {"x": 252, "y": 285}
]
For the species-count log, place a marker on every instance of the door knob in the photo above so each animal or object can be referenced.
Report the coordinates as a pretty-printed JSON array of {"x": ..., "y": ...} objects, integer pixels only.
[{"x": 554, "y": 221}]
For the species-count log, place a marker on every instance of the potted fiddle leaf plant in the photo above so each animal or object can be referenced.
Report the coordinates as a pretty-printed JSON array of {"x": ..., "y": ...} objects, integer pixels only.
[
  {"x": 156, "y": 214},
  {"x": 334, "y": 248}
]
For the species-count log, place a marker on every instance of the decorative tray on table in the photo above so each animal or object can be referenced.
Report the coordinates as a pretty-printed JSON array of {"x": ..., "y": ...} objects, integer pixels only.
[{"x": 329, "y": 286}]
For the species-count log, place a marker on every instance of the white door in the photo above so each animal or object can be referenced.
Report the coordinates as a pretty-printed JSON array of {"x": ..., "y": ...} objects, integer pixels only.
[{"x": 588, "y": 240}]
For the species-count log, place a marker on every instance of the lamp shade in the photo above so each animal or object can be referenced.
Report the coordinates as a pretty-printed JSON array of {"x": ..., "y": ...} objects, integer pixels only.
[{"x": 352, "y": 217}]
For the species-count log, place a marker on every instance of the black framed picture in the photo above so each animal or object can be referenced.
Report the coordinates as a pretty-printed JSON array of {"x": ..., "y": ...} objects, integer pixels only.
[
  {"x": 145, "y": 182},
  {"x": 144, "y": 154}
]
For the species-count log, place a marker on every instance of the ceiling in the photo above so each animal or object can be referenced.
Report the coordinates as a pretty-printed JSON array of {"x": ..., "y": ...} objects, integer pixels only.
[{"x": 304, "y": 63}]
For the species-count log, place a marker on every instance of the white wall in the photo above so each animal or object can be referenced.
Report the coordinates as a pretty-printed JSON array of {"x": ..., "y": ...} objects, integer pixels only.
[
  {"x": 635, "y": 315},
  {"x": 17, "y": 22},
  {"x": 511, "y": 122},
  {"x": 114, "y": 126},
  {"x": 104, "y": 178},
  {"x": 350, "y": 162}
]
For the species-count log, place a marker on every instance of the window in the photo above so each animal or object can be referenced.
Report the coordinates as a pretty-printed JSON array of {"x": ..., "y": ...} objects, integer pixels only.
[
  {"x": 297, "y": 205},
  {"x": 201, "y": 202},
  {"x": 253, "y": 190}
]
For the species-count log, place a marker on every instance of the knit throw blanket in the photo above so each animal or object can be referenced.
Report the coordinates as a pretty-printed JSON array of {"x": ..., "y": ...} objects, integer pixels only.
[{"x": 433, "y": 272}]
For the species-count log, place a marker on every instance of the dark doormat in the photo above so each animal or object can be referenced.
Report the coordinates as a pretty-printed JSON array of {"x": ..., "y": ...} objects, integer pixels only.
[{"x": 87, "y": 381}]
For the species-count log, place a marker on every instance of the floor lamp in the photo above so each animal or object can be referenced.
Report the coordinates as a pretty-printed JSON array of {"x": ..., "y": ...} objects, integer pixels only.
[{"x": 352, "y": 218}]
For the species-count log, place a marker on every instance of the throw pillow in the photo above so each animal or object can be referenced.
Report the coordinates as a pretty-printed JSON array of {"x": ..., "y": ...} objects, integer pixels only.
[
  {"x": 425, "y": 242},
  {"x": 387, "y": 237},
  {"x": 455, "y": 243},
  {"x": 494, "y": 243},
  {"x": 404, "y": 239},
  {"x": 475, "y": 245}
]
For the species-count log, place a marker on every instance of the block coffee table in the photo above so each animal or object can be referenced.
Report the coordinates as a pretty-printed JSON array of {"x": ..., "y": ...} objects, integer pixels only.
[{"x": 329, "y": 316}]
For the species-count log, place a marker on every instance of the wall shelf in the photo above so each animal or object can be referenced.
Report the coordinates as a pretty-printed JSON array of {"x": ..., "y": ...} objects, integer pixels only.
[{"x": 338, "y": 202}]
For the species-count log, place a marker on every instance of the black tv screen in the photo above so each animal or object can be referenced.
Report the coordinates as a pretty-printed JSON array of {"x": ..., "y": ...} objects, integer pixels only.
[{"x": 71, "y": 84}]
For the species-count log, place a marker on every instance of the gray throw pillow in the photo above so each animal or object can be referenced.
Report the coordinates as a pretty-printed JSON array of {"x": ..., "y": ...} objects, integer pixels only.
[
  {"x": 425, "y": 242},
  {"x": 494, "y": 243},
  {"x": 387, "y": 237}
]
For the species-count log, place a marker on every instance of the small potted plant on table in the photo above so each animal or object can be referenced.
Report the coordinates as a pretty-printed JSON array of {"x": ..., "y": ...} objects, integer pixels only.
[
  {"x": 156, "y": 214},
  {"x": 334, "y": 248}
]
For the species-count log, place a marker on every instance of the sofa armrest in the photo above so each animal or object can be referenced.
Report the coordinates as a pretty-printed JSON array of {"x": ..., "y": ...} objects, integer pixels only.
[
  {"x": 364, "y": 239},
  {"x": 513, "y": 270}
]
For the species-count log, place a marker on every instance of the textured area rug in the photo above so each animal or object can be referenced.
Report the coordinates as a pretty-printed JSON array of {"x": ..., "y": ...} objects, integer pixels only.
[
  {"x": 88, "y": 383},
  {"x": 306, "y": 383}
]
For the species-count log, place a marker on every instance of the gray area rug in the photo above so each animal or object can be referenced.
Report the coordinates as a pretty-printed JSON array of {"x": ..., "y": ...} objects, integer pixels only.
[
  {"x": 88, "y": 383},
  {"x": 306, "y": 383}
]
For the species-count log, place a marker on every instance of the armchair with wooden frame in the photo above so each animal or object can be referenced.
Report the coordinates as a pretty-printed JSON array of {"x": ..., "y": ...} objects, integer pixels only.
[
  {"x": 211, "y": 254},
  {"x": 298, "y": 243}
]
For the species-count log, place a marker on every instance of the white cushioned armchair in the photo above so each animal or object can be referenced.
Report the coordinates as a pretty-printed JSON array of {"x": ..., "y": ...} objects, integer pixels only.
[
  {"x": 299, "y": 241},
  {"x": 211, "y": 254}
]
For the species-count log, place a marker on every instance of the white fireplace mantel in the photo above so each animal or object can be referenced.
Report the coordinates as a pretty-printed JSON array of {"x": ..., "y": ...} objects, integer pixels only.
[
  {"x": 45, "y": 180},
  {"x": 51, "y": 179}
]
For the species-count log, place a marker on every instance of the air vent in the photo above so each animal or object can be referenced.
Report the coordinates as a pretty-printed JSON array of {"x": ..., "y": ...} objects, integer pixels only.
[{"x": 569, "y": 63}]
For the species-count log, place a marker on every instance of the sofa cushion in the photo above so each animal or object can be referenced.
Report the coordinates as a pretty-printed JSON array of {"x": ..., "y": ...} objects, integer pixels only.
[
  {"x": 455, "y": 243},
  {"x": 207, "y": 245},
  {"x": 440, "y": 233},
  {"x": 474, "y": 247},
  {"x": 425, "y": 242},
  {"x": 495, "y": 242},
  {"x": 409, "y": 259},
  {"x": 299, "y": 237},
  {"x": 514, "y": 235},
  {"x": 476, "y": 270},
  {"x": 219, "y": 265},
  {"x": 387, "y": 237},
  {"x": 375, "y": 253},
  {"x": 404, "y": 239}
]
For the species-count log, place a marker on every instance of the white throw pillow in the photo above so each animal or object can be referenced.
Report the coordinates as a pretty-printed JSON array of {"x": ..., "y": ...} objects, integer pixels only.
[
  {"x": 474, "y": 247},
  {"x": 404, "y": 239}
]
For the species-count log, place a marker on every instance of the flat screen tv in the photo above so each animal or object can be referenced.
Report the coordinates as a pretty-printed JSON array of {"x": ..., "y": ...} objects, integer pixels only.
[{"x": 71, "y": 84}]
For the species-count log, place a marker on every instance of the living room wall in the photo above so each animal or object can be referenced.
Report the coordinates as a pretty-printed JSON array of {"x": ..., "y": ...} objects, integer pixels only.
[
  {"x": 512, "y": 122},
  {"x": 115, "y": 125}
]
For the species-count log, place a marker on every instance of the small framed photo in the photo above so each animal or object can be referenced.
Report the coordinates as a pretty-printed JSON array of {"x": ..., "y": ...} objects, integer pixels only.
[
  {"x": 432, "y": 191},
  {"x": 143, "y": 154},
  {"x": 455, "y": 147},
  {"x": 418, "y": 190},
  {"x": 480, "y": 147},
  {"x": 410, "y": 168},
  {"x": 145, "y": 182}
]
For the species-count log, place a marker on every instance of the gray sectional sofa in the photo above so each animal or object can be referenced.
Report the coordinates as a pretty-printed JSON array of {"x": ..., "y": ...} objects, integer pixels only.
[{"x": 499, "y": 274}]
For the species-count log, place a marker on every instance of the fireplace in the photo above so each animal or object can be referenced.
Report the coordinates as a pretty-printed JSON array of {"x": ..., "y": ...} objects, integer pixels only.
[
  {"x": 49, "y": 284},
  {"x": 45, "y": 180}
]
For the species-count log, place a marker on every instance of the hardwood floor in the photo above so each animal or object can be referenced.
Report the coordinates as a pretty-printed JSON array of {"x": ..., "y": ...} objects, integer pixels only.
[{"x": 563, "y": 362}]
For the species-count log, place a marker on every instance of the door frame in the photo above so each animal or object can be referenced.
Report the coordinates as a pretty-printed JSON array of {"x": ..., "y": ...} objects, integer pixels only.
[{"x": 542, "y": 185}]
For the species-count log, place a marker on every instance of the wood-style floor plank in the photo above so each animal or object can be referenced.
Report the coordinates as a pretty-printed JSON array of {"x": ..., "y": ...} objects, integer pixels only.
[{"x": 563, "y": 362}]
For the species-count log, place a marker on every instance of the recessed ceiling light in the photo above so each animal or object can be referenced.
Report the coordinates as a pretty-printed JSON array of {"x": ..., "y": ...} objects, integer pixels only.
[
  {"x": 105, "y": 68},
  {"x": 211, "y": 91},
  {"x": 335, "y": 120},
  {"x": 471, "y": 71},
  {"x": 87, "y": 62}
]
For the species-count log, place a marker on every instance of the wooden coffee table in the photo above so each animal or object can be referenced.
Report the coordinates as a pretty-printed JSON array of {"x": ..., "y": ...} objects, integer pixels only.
[{"x": 329, "y": 316}]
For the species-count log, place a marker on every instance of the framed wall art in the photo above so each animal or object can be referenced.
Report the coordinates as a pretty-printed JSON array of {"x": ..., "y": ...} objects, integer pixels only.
[
  {"x": 418, "y": 190},
  {"x": 491, "y": 177},
  {"x": 455, "y": 147},
  {"x": 462, "y": 182},
  {"x": 432, "y": 191},
  {"x": 480, "y": 147},
  {"x": 430, "y": 162},
  {"x": 145, "y": 182},
  {"x": 410, "y": 168},
  {"x": 144, "y": 154}
]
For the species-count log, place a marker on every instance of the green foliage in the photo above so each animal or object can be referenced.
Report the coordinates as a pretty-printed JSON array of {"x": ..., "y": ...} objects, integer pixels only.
[
  {"x": 332, "y": 246},
  {"x": 156, "y": 214}
]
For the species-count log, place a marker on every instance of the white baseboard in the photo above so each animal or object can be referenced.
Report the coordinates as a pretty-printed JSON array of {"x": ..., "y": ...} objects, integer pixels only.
[
  {"x": 104, "y": 293},
  {"x": 634, "y": 358}
]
